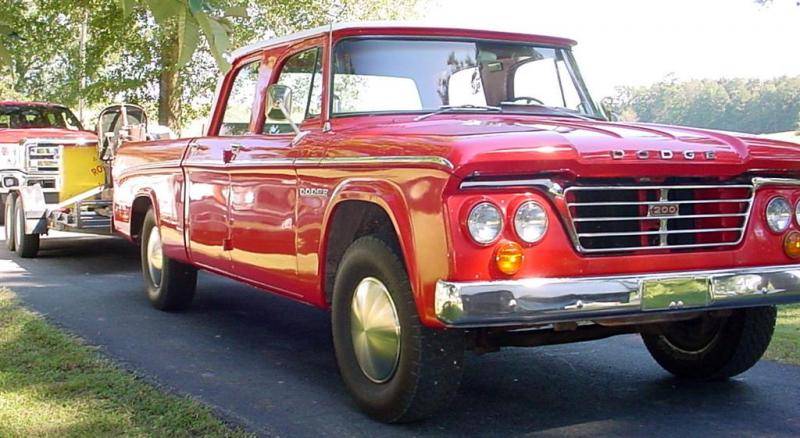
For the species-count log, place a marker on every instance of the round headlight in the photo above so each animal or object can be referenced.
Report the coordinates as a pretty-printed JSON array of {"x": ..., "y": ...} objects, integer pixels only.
[
  {"x": 530, "y": 222},
  {"x": 484, "y": 223},
  {"x": 779, "y": 214},
  {"x": 797, "y": 212}
]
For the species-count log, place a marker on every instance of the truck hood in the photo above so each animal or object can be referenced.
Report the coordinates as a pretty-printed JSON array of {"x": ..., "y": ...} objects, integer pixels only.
[
  {"x": 493, "y": 145},
  {"x": 18, "y": 135}
]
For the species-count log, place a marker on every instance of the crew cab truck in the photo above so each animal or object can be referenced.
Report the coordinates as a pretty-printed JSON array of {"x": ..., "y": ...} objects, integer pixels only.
[{"x": 442, "y": 190}]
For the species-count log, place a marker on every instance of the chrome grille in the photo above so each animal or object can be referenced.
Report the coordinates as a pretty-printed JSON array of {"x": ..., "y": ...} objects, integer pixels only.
[
  {"x": 43, "y": 157},
  {"x": 658, "y": 217}
]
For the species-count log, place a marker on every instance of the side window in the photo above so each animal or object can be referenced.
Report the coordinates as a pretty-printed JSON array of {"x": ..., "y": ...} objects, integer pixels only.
[
  {"x": 302, "y": 73},
  {"x": 239, "y": 108}
]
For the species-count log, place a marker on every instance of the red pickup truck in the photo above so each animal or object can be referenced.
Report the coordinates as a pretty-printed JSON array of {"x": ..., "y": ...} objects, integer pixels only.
[{"x": 442, "y": 190}]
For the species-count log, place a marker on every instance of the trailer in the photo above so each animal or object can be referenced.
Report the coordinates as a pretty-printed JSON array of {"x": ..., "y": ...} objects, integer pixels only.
[{"x": 65, "y": 186}]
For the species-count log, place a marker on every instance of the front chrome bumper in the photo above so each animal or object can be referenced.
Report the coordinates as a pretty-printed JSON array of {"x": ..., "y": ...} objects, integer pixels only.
[{"x": 550, "y": 300}]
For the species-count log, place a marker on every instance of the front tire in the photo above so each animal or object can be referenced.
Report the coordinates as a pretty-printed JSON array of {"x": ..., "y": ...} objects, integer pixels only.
[
  {"x": 714, "y": 348},
  {"x": 396, "y": 369},
  {"x": 27, "y": 245},
  {"x": 9, "y": 214},
  {"x": 170, "y": 285}
]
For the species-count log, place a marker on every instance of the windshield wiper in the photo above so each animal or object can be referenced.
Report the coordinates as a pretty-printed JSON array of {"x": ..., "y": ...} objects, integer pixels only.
[
  {"x": 455, "y": 108},
  {"x": 553, "y": 110}
]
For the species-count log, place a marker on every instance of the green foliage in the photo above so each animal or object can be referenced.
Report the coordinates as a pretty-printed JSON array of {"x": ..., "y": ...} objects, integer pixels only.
[
  {"x": 130, "y": 45},
  {"x": 740, "y": 105},
  {"x": 44, "y": 62},
  {"x": 190, "y": 18}
]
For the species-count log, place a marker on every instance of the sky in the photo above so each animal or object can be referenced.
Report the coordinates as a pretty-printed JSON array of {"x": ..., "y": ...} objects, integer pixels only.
[{"x": 627, "y": 42}]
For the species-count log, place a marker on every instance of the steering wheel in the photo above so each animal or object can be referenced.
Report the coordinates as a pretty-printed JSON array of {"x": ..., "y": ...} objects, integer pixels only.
[{"x": 528, "y": 99}]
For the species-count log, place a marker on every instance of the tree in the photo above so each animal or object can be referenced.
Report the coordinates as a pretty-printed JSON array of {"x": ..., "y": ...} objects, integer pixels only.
[
  {"x": 43, "y": 59},
  {"x": 221, "y": 23},
  {"x": 163, "y": 54},
  {"x": 743, "y": 105}
]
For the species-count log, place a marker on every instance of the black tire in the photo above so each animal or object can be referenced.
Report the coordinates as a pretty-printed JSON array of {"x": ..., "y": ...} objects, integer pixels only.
[
  {"x": 714, "y": 348},
  {"x": 9, "y": 215},
  {"x": 27, "y": 245},
  {"x": 3, "y": 216},
  {"x": 175, "y": 287},
  {"x": 429, "y": 368}
]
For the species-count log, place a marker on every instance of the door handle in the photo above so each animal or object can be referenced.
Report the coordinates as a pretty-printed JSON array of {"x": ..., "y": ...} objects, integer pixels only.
[
  {"x": 229, "y": 155},
  {"x": 199, "y": 147}
]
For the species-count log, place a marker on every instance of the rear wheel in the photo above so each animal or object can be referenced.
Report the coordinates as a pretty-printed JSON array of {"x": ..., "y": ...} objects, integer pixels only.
[
  {"x": 714, "y": 348},
  {"x": 9, "y": 215},
  {"x": 396, "y": 369},
  {"x": 3, "y": 216},
  {"x": 170, "y": 284},
  {"x": 27, "y": 245}
]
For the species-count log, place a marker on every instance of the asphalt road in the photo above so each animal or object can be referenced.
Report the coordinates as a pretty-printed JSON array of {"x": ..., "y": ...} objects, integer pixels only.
[{"x": 267, "y": 363}]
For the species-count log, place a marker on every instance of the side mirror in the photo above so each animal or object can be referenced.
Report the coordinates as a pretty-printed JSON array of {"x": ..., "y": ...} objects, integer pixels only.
[
  {"x": 608, "y": 105},
  {"x": 279, "y": 105},
  {"x": 279, "y": 102}
]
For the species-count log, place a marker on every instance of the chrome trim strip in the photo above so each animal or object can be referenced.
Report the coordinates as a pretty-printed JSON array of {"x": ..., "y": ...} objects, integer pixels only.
[
  {"x": 655, "y": 218},
  {"x": 693, "y": 201},
  {"x": 548, "y": 184},
  {"x": 659, "y": 187},
  {"x": 653, "y": 247},
  {"x": 345, "y": 161},
  {"x": 660, "y": 232},
  {"x": 549, "y": 300},
  {"x": 335, "y": 161},
  {"x": 759, "y": 182}
]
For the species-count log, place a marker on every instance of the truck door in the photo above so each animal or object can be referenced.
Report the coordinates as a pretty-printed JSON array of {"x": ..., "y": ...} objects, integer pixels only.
[
  {"x": 264, "y": 190},
  {"x": 208, "y": 230}
]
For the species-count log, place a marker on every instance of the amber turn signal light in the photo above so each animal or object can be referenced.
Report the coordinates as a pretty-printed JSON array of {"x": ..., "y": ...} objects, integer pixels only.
[
  {"x": 791, "y": 244},
  {"x": 508, "y": 257}
]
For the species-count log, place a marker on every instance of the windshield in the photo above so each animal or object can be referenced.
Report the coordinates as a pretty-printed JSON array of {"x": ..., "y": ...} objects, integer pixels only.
[
  {"x": 402, "y": 75},
  {"x": 37, "y": 117}
]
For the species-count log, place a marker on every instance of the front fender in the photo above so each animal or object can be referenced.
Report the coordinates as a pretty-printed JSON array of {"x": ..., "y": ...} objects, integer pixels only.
[{"x": 419, "y": 223}]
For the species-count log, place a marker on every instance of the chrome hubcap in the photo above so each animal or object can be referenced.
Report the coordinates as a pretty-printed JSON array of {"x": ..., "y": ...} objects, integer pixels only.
[
  {"x": 155, "y": 258},
  {"x": 375, "y": 330}
]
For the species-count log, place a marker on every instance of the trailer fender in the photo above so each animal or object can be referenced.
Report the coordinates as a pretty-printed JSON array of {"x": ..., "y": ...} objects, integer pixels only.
[{"x": 35, "y": 209}]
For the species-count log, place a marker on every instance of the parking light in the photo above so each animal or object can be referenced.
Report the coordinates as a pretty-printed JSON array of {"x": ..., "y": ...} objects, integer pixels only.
[
  {"x": 791, "y": 244},
  {"x": 508, "y": 258}
]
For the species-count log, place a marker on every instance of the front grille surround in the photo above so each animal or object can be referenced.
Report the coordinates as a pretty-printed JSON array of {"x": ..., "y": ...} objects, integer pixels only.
[{"x": 616, "y": 218}]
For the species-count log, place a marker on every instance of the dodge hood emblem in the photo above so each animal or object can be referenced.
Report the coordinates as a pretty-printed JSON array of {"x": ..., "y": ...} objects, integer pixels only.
[{"x": 661, "y": 154}]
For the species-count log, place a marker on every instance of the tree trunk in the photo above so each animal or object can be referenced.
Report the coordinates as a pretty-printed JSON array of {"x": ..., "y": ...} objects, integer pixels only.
[{"x": 169, "y": 85}]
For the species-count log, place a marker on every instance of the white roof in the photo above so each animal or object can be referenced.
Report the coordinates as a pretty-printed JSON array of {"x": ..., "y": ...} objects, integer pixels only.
[{"x": 238, "y": 53}]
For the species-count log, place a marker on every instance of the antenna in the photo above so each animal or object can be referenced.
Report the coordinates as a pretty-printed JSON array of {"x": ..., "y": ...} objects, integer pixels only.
[{"x": 326, "y": 126}]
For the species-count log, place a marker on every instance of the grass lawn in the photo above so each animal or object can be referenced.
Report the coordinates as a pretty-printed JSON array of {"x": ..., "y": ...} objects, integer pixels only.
[
  {"x": 785, "y": 345},
  {"x": 53, "y": 385}
]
